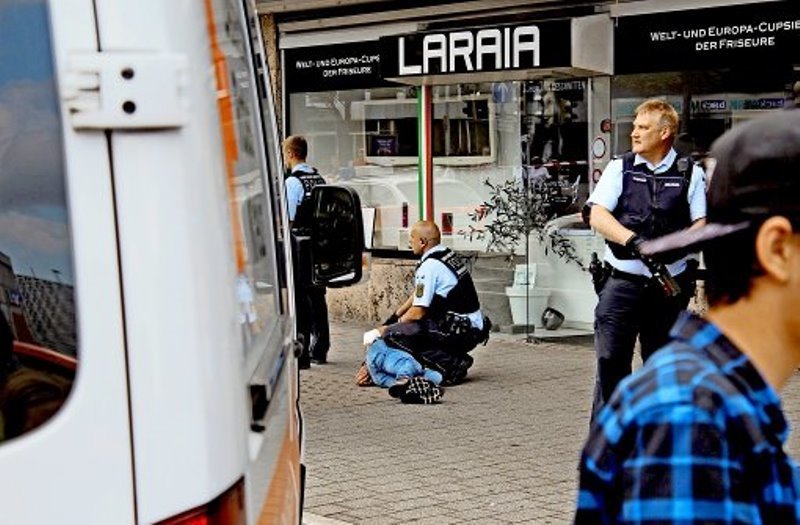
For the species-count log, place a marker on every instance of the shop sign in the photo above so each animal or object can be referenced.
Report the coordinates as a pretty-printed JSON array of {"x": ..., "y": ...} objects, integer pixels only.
[
  {"x": 567, "y": 85},
  {"x": 724, "y": 104},
  {"x": 477, "y": 50},
  {"x": 763, "y": 36},
  {"x": 333, "y": 67},
  {"x": 758, "y": 103},
  {"x": 709, "y": 105}
]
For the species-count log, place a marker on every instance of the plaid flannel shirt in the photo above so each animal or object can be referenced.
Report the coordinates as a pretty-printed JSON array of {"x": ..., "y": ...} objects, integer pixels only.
[{"x": 695, "y": 436}]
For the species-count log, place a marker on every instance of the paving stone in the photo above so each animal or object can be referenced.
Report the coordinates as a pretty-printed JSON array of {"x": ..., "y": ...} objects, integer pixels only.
[{"x": 501, "y": 448}]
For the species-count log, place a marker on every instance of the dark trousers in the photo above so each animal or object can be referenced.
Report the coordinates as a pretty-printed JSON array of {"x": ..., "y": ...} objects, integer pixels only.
[
  {"x": 320, "y": 328},
  {"x": 303, "y": 322},
  {"x": 312, "y": 323},
  {"x": 435, "y": 348},
  {"x": 627, "y": 309}
]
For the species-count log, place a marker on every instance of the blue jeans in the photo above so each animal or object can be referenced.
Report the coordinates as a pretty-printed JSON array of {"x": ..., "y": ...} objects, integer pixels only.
[{"x": 386, "y": 365}]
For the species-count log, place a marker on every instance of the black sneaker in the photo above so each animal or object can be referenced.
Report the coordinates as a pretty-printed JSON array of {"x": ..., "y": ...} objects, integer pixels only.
[
  {"x": 419, "y": 391},
  {"x": 319, "y": 360},
  {"x": 399, "y": 389}
]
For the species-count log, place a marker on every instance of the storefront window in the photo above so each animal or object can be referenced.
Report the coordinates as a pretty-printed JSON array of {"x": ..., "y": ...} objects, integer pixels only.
[
  {"x": 369, "y": 140},
  {"x": 555, "y": 136},
  {"x": 474, "y": 139},
  {"x": 708, "y": 102}
]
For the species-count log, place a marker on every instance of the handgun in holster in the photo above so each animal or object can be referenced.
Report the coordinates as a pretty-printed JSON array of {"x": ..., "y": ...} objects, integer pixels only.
[{"x": 599, "y": 273}]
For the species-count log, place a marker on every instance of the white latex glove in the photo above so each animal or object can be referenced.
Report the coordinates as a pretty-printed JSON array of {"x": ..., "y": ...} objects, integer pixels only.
[{"x": 369, "y": 337}]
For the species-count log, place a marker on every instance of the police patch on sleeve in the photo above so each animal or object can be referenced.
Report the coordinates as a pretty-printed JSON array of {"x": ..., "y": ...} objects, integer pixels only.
[{"x": 420, "y": 290}]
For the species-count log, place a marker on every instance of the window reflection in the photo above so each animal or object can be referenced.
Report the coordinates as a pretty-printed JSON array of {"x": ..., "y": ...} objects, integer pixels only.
[
  {"x": 709, "y": 102},
  {"x": 38, "y": 341},
  {"x": 255, "y": 286},
  {"x": 369, "y": 140}
]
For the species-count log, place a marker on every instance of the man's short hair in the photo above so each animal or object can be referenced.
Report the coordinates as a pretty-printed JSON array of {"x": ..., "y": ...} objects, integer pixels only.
[
  {"x": 755, "y": 175},
  {"x": 731, "y": 262},
  {"x": 669, "y": 117},
  {"x": 297, "y": 145}
]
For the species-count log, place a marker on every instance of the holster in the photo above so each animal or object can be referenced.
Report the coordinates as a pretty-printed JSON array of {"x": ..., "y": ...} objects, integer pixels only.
[
  {"x": 600, "y": 274},
  {"x": 454, "y": 324}
]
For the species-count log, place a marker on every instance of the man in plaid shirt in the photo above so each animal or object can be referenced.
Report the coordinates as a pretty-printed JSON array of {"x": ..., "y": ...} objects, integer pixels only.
[{"x": 697, "y": 434}]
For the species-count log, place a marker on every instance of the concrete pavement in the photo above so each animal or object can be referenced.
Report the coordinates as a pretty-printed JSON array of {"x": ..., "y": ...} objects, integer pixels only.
[{"x": 501, "y": 448}]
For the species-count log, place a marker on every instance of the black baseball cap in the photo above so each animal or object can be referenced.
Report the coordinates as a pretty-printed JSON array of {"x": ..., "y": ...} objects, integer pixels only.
[{"x": 754, "y": 173}]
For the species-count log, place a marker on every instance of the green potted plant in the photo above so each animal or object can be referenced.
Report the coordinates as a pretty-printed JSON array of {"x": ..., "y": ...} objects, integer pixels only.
[{"x": 512, "y": 215}]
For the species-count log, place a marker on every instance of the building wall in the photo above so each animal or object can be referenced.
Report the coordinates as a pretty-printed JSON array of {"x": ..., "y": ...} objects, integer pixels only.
[{"x": 386, "y": 285}]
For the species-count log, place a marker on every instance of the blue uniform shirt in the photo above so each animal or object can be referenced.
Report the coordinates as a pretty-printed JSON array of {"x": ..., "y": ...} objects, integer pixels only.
[
  {"x": 294, "y": 190},
  {"x": 608, "y": 189},
  {"x": 694, "y": 436},
  {"x": 433, "y": 277}
]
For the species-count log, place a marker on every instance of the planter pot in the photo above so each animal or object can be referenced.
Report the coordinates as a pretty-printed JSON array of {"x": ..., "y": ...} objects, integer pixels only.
[{"x": 525, "y": 300}]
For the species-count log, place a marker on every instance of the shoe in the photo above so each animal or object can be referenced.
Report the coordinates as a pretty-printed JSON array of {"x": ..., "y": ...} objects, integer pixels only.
[
  {"x": 303, "y": 363},
  {"x": 319, "y": 360},
  {"x": 399, "y": 389},
  {"x": 417, "y": 391},
  {"x": 458, "y": 372}
]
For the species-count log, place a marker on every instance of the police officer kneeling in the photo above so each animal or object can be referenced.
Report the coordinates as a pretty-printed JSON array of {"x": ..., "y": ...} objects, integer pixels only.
[
  {"x": 647, "y": 193},
  {"x": 441, "y": 321}
]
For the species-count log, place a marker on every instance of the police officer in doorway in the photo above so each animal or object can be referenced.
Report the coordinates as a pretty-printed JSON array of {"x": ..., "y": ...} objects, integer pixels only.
[
  {"x": 646, "y": 193},
  {"x": 441, "y": 321},
  {"x": 312, "y": 310}
]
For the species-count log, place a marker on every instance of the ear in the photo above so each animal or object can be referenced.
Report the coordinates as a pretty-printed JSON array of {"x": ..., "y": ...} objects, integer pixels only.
[{"x": 776, "y": 249}]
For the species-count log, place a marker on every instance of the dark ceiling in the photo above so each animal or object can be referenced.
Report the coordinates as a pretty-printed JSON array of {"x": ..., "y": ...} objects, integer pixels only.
[{"x": 393, "y": 10}]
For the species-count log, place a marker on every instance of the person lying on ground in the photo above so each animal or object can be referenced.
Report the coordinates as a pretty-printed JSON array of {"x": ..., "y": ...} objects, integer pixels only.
[{"x": 398, "y": 371}]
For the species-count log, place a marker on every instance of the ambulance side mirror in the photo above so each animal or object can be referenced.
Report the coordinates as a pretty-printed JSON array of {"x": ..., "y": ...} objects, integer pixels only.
[{"x": 337, "y": 236}]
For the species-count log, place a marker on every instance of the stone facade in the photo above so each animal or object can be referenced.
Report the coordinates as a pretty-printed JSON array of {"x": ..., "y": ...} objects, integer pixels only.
[
  {"x": 385, "y": 285},
  {"x": 388, "y": 282}
]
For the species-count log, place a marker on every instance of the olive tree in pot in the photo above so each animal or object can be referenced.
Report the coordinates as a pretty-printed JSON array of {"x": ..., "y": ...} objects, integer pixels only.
[{"x": 514, "y": 214}]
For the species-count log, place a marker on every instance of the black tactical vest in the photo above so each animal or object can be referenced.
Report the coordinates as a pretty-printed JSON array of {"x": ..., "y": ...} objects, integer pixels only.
[
  {"x": 652, "y": 205},
  {"x": 462, "y": 299},
  {"x": 302, "y": 217}
]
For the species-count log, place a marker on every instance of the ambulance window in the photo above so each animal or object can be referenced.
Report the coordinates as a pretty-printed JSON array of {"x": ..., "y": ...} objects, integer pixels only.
[
  {"x": 256, "y": 284},
  {"x": 37, "y": 326},
  {"x": 274, "y": 152}
]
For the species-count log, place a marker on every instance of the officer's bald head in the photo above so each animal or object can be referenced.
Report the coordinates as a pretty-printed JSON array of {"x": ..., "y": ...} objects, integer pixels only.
[
  {"x": 424, "y": 236},
  {"x": 428, "y": 229}
]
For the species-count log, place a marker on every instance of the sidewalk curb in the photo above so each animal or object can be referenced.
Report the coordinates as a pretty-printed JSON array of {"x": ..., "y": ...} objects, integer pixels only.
[{"x": 313, "y": 519}]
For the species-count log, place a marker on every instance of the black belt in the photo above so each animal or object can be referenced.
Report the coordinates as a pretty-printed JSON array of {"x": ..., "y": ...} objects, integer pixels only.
[{"x": 632, "y": 277}]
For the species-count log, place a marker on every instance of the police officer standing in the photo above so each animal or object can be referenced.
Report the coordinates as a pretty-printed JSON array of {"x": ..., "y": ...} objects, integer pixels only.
[
  {"x": 647, "y": 193},
  {"x": 312, "y": 310},
  {"x": 441, "y": 321}
]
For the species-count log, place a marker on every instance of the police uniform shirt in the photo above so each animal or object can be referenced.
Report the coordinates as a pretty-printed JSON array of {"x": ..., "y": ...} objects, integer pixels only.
[
  {"x": 294, "y": 190},
  {"x": 608, "y": 189},
  {"x": 433, "y": 277}
]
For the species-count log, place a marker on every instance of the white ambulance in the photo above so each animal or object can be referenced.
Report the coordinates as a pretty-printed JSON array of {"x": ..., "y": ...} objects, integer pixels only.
[{"x": 148, "y": 353}]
